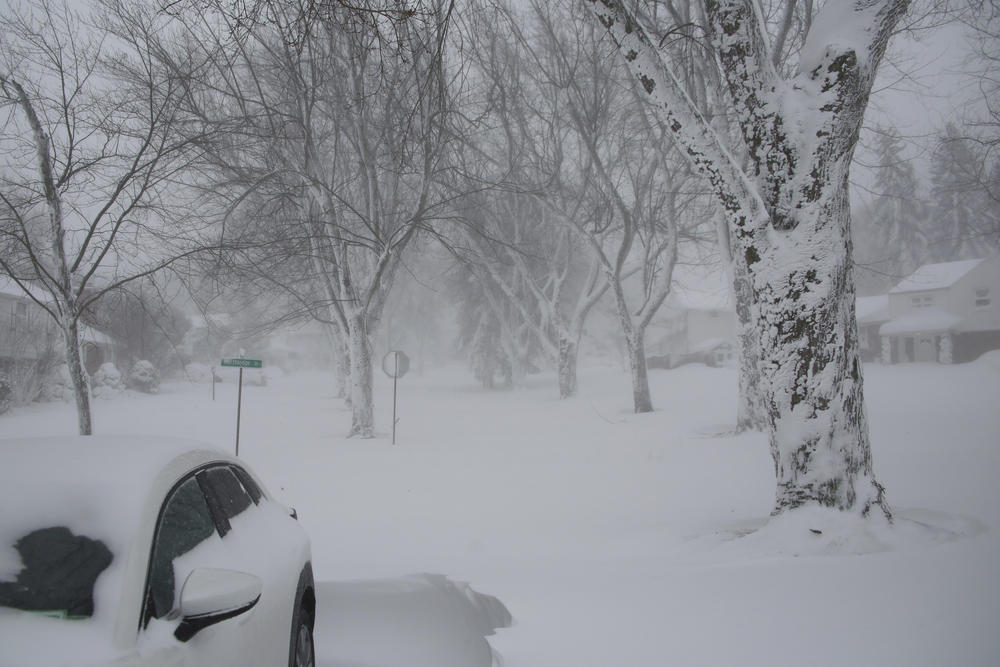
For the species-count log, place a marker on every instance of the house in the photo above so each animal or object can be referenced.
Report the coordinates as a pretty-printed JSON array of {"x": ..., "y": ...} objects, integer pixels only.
[
  {"x": 945, "y": 313},
  {"x": 27, "y": 333},
  {"x": 697, "y": 324},
  {"x": 872, "y": 312}
]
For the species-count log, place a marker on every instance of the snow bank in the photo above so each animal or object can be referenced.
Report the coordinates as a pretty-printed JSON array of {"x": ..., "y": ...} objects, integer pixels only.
[
  {"x": 614, "y": 538},
  {"x": 428, "y": 620}
]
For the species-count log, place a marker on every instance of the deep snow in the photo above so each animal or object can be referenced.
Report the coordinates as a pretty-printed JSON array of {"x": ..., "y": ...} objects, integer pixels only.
[{"x": 612, "y": 538}]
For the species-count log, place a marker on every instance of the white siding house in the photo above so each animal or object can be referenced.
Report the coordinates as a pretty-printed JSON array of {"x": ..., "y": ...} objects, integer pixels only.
[
  {"x": 696, "y": 325},
  {"x": 27, "y": 333},
  {"x": 948, "y": 312}
]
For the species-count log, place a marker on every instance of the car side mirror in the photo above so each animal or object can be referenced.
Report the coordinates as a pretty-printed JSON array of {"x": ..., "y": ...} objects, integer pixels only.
[{"x": 211, "y": 595}]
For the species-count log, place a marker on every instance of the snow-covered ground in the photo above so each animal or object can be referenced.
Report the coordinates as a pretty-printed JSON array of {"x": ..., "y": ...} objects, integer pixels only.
[{"x": 613, "y": 538}]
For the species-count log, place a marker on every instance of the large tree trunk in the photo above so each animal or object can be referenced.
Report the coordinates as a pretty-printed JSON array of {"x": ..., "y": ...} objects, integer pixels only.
[
  {"x": 810, "y": 364},
  {"x": 362, "y": 400}
]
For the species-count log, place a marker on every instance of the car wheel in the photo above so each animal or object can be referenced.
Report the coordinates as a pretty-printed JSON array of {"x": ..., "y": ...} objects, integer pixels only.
[{"x": 304, "y": 654}]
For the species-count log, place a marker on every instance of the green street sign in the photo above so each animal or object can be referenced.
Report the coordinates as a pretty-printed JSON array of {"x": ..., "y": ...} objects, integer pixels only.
[{"x": 243, "y": 363}]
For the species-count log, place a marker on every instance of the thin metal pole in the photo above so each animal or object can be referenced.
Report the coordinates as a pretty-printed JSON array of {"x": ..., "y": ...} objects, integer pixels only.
[
  {"x": 239, "y": 404},
  {"x": 395, "y": 379}
]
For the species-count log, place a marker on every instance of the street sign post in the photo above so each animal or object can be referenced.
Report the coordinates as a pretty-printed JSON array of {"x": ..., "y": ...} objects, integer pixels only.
[
  {"x": 395, "y": 365},
  {"x": 240, "y": 363}
]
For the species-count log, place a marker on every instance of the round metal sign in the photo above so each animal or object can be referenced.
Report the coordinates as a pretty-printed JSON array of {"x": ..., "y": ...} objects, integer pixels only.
[{"x": 395, "y": 364}]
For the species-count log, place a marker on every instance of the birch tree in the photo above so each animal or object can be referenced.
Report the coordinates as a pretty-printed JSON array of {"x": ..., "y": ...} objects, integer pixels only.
[
  {"x": 789, "y": 216},
  {"x": 87, "y": 135}
]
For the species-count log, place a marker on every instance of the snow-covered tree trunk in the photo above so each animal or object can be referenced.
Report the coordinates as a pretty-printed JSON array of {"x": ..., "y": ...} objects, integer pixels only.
[
  {"x": 750, "y": 413},
  {"x": 78, "y": 376},
  {"x": 342, "y": 366},
  {"x": 337, "y": 341},
  {"x": 811, "y": 366},
  {"x": 567, "y": 364},
  {"x": 789, "y": 218},
  {"x": 362, "y": 400},
  {"x": 636, "y": 347}
]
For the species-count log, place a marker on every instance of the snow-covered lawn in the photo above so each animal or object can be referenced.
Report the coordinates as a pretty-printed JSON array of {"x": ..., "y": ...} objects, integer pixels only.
[{"x": 613, "y": 538}]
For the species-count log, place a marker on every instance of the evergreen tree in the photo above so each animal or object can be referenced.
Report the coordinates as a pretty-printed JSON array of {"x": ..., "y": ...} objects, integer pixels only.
[
  {"x": 898, "y": 215},
  {"x": 964, "y": 224}
]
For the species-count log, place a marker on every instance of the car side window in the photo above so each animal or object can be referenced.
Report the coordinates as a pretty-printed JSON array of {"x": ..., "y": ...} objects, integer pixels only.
[
  {"x": 185, "y": 522},
  {"x": 251, "y": 486},
  {"x": 226, "y": 495}
]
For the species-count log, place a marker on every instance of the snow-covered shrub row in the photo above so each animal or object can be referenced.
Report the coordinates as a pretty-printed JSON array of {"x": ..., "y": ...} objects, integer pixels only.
[{"x": 144, "y": 377}]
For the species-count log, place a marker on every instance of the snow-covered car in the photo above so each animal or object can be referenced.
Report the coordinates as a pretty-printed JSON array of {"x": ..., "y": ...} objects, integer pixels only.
[{"x": 147, "y": 551}]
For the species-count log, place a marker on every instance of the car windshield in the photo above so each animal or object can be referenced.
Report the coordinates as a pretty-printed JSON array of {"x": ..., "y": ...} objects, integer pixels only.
[{"x": 58, "y": 573}]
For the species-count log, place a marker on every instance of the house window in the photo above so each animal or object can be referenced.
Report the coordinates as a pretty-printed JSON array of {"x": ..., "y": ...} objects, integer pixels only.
[
  {"x": 922, "y": 301},
  {"x": 983, "y": 297}
]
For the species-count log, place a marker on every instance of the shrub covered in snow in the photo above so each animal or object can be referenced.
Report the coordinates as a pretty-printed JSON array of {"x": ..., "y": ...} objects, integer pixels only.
[
  {"x": 199, "y": 373},
  {"x": 107, "y": 382},
  {"x": 144, "y": 377},
  {"x": 254, "y": 376},
  {"x": 6, "y": 393},
  {"x": 57, "y": 385}
]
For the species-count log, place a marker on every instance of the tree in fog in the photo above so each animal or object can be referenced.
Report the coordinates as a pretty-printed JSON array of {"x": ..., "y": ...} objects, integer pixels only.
[
  {"x": 892, "y": 233},
  {"x": 965, "y": 222},
  {"x": 537, "y": 279},
  {"x": 328, "y": 135},
  {"x": 784, "y": 190},
  {"x": 624, "y": 165},
  {"x": 90, "y": 153}
]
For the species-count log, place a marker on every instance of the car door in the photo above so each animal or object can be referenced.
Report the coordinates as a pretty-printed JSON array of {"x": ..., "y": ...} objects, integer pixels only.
[{"x": 211, "y": 520}]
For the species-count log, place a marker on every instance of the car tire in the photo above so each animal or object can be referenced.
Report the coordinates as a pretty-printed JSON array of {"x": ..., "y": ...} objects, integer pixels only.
[{"x": 303, "y": 649}]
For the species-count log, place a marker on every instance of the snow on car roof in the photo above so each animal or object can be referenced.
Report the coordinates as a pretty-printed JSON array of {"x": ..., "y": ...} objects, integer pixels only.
[{"x": 935, "y": 276}]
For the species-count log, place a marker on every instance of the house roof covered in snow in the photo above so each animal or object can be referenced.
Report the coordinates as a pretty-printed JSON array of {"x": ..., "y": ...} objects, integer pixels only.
[
  {"x": 10, "y": 288},
  {"x": 925, "y": 321},
  {"x": 935, "y": 276},
  {"x": 872, "y": 309},
  {"x": 701, "y": 288}
]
